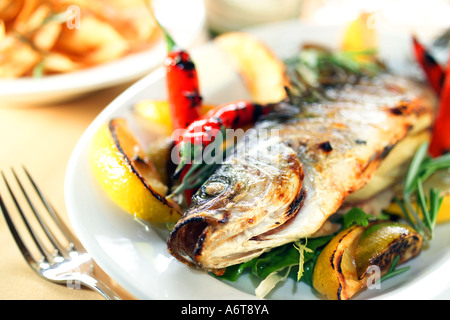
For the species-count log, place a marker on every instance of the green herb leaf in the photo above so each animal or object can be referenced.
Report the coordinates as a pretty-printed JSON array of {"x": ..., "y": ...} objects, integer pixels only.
[
  {"x": 356, "y": 216},
  {"x": 278, "y": 259},
  {"x": 414, "y": 168},
  {"x": 393, "y": 271},
  {"x": 421, "y": 168}
]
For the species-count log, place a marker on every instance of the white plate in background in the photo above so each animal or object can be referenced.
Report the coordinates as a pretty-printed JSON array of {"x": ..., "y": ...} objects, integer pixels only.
[{"x": 57, "y": 88}]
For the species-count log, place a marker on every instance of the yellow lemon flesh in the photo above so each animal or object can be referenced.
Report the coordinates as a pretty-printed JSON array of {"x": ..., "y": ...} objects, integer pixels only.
[
  {"x": 262, "y": 71},
  {"x": 444, "y": 211},
  {"x": 359, "y": 36},
  {"x": 157, "y": 113},
  {"x": 123, "y": 171},
  {"x": 156, "y": 118},
  {"x": 443, "y": 214},
  {"x": 439, "y": 181}
]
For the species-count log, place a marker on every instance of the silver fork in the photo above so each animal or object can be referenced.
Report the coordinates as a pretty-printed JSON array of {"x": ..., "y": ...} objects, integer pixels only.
[{"x": 61, "y": 258}]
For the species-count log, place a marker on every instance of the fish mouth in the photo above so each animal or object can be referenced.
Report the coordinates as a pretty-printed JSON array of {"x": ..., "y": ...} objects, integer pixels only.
[{"x": 189, "y": 236}]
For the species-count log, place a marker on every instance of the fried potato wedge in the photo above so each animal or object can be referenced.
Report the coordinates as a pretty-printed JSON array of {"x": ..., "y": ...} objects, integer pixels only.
[
  {"x": 94, "y": 42},
  {"x": 46, "y": 37},
  {"x": 55, "y": 62},
  {"x": 16, "y": 58}
]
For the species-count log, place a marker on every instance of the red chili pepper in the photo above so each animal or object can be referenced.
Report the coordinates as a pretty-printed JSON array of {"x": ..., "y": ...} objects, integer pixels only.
[
  {"x": 182, "y": 85},
  {"x": 228, "y": 116},
  {"x": 183, "y": 88},
  {"x": 433, "y": 71},
  {"x": 440, "y": 140}
]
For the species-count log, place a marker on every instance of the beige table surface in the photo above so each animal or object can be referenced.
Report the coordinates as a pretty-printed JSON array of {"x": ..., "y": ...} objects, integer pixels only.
[{"x": 42, "y": 139}]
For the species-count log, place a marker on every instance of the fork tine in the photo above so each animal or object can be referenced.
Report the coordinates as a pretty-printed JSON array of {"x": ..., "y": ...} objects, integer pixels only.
[
  {"x": 23, "y": 249},
  {"x": 55, "y": 216},
  {"x": 42, "y": 223},
  {"x": 45, "y": 255}
]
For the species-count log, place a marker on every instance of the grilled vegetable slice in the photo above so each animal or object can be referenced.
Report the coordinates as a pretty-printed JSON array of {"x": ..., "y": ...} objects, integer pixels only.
[
  {"x": 382, "y": 242},
  {"x": 342, "y": 268}
]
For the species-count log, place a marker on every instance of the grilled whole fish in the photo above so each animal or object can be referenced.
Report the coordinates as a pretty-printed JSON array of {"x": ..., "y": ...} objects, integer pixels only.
[{"x": 278, "y": 188}]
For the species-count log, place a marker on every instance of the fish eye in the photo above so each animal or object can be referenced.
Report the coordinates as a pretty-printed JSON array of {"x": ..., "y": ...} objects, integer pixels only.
[{"x": 212, "y": 189}]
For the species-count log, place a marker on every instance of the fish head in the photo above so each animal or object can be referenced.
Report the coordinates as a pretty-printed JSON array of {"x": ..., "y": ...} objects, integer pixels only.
[{"x": 248, "y": 197}]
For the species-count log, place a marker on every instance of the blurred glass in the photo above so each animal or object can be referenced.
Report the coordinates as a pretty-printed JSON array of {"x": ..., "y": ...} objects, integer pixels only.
[{"x": 231, "y": 15}]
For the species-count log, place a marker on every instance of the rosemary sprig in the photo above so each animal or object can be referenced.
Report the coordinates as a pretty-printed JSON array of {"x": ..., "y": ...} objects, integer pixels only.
[
  {"x": 194, "y": 178},
  {"x": 421, "y": 168},
  {"x": 393, "y": 271},
  {"x": 315, "y": 68},
  {"x": 199, "y": 170}
]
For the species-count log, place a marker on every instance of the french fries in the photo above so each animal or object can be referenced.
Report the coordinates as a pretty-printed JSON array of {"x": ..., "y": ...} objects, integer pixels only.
[{"x": 42, "y": 34}]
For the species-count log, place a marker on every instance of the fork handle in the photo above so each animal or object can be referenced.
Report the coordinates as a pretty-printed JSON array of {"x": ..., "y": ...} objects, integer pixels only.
[{"x": 98, "y": 286}]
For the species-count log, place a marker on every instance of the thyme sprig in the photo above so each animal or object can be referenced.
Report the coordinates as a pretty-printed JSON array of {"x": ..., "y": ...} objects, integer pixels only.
[{"x": 423, "y": 215}]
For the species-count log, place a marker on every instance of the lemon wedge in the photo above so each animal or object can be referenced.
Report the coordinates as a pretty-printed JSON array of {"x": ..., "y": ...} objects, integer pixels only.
[
  {"x": 359, "y": 36},
  {"x": 124, "y": 172},
  {"x": 157, "y": 114},
  {"x": 260, "y": 68},
  {"x": 335, "y": 275},
  {"x": 442, "y": 217}
]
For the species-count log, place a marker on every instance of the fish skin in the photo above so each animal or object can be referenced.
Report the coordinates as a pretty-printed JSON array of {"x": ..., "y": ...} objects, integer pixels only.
[{"x": 276, "y": 190}]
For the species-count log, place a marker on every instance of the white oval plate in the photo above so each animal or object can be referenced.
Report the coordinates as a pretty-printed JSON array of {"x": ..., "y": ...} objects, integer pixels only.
[
  {"x": 134, "y": 253},
  {"x": 66, "y": 86}
]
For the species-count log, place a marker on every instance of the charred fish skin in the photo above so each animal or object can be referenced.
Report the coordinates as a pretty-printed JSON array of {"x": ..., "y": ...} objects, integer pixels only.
[{"x": 275, "y": 190}]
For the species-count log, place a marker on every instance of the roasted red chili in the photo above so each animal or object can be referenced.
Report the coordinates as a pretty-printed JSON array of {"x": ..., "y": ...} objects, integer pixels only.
[
  {"x": 228, "y": 116},
  {"x": 182, "y": 85},
  {"x": 433, "y": 71},
  {"x": 440, "y": 140},
  {"x": 182, "y": 88}
]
